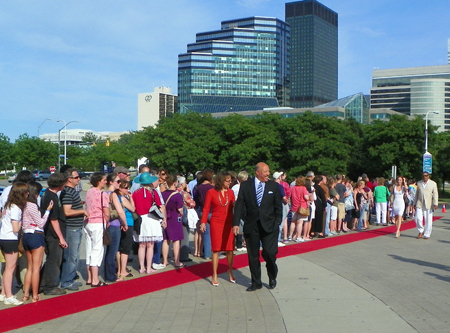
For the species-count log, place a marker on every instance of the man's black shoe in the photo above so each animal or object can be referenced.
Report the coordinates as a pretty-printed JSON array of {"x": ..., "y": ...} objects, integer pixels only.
[
  {"x": 272, "y": 284},
  {"x": 186, "y": 260},
  {"x": 253, "y": 287}
]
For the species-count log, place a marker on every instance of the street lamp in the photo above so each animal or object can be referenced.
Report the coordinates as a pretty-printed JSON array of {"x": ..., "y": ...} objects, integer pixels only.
[
  {"x": 426, "y": 129},
  {"x": 39, "y": 127},
  {"x": 65, "y": 138}
]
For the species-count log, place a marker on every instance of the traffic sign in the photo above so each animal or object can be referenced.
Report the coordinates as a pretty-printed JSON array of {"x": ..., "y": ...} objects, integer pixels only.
[{"x": 52, "y": 169}]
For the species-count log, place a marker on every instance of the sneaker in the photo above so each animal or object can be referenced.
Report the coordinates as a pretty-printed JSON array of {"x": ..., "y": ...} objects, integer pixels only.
[
  {"x": 281, "y": 244},
  {"x": 299, "y": 240},
  {"x": 285, "y": 241},
  {"x": 242, "y": 249},
  {"x": 78, "y": 284},
  {"x": 2, "y": 298},
  {"x": 158, "y": 266},
  {"x": 72, "y": 287},
  {"x": 222, "y": 256},
  {"x": 12, "y": 301},
  {"x": 289, "y": 239}
]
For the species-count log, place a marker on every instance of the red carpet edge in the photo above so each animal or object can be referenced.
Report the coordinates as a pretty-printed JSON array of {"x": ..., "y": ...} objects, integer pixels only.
[{"x": 14, "y": 318}]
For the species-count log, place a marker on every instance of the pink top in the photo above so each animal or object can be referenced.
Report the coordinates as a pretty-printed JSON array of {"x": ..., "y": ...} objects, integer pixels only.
[
  {"x": 94, "y": 205},
  {"x": 31, "y": 217},
  {"x": 298, "y": 197},
  {"x": 287, "y": 189}
]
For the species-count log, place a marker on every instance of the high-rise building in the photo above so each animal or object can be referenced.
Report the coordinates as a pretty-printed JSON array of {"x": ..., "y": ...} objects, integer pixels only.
[
  {"x": 247, "y": 58},
  {"x": 154, "y": 106},
  {"x": 414, "y": 91},
  {"x": 313, "y": 53}
]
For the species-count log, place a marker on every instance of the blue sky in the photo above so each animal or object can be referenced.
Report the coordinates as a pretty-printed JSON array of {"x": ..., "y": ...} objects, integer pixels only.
[{"x": 88, "y": 60}]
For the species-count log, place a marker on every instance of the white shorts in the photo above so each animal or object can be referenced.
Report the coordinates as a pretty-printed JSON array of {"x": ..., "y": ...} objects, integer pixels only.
[{"x": 333, "y": 213}]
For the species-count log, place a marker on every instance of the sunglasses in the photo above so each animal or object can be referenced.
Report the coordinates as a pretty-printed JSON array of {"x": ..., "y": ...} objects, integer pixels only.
[
  {"x": 117, "y": 181},
  {"x": 163, "y": 174},
  {"x": 124, "y": 188},
  {"x": 77, "y": 177}
]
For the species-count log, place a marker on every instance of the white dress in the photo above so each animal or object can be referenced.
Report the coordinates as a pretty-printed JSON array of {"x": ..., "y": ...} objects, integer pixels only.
[{"x": 399, "y": 202}]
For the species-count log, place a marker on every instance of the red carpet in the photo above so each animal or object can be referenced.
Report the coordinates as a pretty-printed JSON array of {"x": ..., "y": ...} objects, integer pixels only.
[{"x": 14, "y": 318}]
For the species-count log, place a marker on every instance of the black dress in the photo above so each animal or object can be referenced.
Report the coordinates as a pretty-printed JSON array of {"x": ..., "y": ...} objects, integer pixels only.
[{"x": 321, "y": 203}]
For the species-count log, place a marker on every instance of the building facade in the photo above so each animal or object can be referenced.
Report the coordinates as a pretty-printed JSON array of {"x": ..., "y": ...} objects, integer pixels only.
[
  {"x": 313, "y": 53},
  {"x": 356, "y": 106},
  {"x": 154, "y": 106},
  {"x": 414, "y": 91},
  {"x": 246, "y": 58}
]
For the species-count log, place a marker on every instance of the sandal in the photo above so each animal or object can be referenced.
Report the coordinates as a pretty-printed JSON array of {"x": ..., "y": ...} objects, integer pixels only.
[
  {"x": 119, "y": 279},
  {"x": 100, "y": 284},
  {"x": 25, "y": 298},
  {"x": 36, "y": 299},
  {"x": 179, "y": 266}
]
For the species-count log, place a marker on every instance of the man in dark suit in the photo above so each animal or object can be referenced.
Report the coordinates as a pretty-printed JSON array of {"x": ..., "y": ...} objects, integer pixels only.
[{"x": 259, "y": 206}]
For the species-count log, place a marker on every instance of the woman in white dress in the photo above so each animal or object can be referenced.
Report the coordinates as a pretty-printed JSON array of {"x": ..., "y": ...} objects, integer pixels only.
[{"x": 399, "y": 191}]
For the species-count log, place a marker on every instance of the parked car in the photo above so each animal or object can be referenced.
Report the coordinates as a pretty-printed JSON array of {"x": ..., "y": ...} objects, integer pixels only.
[
  {"x": 41, "y": 175},
  {"x": 83, "y": 174},
  {"x": 12, "y": 178}
]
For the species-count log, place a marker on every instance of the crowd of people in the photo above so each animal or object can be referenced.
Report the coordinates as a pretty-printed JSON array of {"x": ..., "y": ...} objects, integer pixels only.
[{"x": 156, "y": 211}]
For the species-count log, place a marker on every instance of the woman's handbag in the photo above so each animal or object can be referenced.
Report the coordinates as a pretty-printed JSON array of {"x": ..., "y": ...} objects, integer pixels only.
[
  {"x": 106, "y": 234},
  {"x": 154, "y": 211},
  {"x": 113, "y": 214},
  {"x": 304, "y": 211},
  {"x": 137, "y": 222}
]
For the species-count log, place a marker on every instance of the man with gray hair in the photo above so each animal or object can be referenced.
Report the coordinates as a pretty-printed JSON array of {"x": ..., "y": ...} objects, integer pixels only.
[{"x": 310, "y": 174}]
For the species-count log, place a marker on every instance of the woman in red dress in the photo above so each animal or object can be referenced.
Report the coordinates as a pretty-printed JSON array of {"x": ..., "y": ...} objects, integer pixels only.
[{"x": 221, "y": 199}]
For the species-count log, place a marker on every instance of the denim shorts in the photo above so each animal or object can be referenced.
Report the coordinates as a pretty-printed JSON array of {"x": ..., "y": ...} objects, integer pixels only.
[{"x": 33, "y": 241}]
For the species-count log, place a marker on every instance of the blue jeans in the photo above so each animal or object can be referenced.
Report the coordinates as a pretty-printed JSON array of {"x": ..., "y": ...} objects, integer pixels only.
[
  {"x": 110, "y": 254},
  {"x": 71, "y": 256},
  {"x": 362, "y": 209},
  {"x": 327, "y": 220},
  {"x": 157, "y": 253},
  {"x": 207, "y": 251}
]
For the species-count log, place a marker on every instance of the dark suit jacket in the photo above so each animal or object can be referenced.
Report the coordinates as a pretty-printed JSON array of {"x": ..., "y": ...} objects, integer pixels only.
[{"x": 269, "y": 212}]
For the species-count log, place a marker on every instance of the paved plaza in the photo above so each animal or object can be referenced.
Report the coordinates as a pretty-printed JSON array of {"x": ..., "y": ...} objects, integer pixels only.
[{"x": 381, "y": 284}]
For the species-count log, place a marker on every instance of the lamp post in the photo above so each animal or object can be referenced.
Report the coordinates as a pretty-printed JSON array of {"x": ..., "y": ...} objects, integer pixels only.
[
  {"x": 39, "y": 127},
  {"x": 427, "y": 165},
  {"x": 65, "y": 137}
]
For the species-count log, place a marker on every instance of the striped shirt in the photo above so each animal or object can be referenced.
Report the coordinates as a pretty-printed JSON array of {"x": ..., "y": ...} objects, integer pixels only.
[
  {"x": 69, "y": 196},
  {"x": 31, "y": 218}
]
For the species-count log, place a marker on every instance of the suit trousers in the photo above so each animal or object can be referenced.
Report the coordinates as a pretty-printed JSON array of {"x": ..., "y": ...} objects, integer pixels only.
[
  {"x": 269, "y": 243},
  {"x": 428, "y": 215}
]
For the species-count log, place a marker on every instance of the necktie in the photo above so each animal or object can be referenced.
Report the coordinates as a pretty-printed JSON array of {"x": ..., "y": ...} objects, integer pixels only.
[{"x": 259, "y": 193}]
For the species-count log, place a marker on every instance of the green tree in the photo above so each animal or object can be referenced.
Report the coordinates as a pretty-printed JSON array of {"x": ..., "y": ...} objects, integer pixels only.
[
  {"x": 34, "y": 153},
  {"x": 396, "y": 142},
  {"x": 6, "y": 151},
  {"x": 90, "y": 137},
  {"x": 183, "y": 143},
  {"x": 317, "y": 143}
]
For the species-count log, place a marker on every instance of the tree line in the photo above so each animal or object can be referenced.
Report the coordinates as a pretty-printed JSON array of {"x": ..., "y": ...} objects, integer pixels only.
[{"x": 189, "y": 142}]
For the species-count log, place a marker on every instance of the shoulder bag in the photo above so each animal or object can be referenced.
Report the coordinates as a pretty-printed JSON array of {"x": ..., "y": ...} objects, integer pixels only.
[{"x": 154, "y": 211}]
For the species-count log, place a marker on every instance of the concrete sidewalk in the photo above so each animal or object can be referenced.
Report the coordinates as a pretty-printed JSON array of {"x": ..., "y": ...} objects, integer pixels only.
[{"x": 381, "y": 284}]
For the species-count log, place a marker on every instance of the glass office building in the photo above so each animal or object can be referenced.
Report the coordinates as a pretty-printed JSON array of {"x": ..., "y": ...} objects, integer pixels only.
[
  {"x": 314, "y": 53},
  {"x": 356, "y": 106},
  {"x": 246, "y": 58},
  {"x": 414, "y": 91}
]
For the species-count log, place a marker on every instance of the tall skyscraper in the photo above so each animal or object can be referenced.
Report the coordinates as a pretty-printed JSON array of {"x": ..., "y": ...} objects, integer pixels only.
[
  {"x": 246, "y": 61},
  {"x": 313, "y": 53}
]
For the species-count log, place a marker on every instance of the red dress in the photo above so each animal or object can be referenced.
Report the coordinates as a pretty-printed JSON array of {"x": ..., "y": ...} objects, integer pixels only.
[{"x": 221, "y": 222}]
